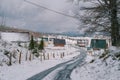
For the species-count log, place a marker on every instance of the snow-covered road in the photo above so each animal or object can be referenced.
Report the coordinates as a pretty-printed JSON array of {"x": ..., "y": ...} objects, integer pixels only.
[
  {"x": 65, "y": 69},
  {"x": 65, "y": 73}
]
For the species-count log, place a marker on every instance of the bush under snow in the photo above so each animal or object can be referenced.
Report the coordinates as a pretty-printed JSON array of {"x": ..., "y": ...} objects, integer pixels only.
[{"x": 104, "y": 68}]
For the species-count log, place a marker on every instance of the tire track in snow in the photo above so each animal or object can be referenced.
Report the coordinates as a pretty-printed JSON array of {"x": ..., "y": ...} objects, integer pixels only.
[
  {"x": 43, "y": 74},
  {"x": 66, "y": 72}
]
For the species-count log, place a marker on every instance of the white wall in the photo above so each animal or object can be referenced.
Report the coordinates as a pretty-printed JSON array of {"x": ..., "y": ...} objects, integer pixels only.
[
  {"x": 14, "y": 36},
  {"x": 69, "y": 41}
]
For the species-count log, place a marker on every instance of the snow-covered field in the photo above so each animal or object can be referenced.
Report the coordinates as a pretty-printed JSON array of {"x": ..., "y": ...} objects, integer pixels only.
[
  {"x": 26, "y": 69},
  {"x": 29, "y": 68},
  {"x": 96, "y": 68}
]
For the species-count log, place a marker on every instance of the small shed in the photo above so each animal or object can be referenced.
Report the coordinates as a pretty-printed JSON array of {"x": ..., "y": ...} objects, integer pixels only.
[
  {"x": 59, "y": 42},
  {"x": 98, "y": 44}
]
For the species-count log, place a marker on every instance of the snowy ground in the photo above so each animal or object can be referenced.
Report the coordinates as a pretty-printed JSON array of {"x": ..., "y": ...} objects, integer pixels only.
[
  {"x": 28, "y": 68},
  {"x": 61, "y": 71},
  {"x": 100, "y": 69}
]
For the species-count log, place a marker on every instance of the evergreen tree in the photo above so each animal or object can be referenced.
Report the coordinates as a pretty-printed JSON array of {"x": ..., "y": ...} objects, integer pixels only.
[
  {"x": 41, "y": 45},
  {"x": 31, "y": 45}
]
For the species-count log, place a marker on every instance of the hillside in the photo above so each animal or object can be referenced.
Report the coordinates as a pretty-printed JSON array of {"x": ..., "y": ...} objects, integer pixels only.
[{"x": 105, "y": 66}]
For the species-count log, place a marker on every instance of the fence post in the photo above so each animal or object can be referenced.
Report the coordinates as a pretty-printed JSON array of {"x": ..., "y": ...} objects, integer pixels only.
[
  {"x": 44, "y": 55},
  {"x": 40, "y": 57},
  {"x": 10, "y": 58},
  {"x": 48, "y": 56},
  {"x": 30, "y": 57},
  {"x": 20, "y": 58},
  {"x": 53, "y": 55},
  {"x": 14, "y": 54},
  {"x": 60, "y": 55},
  {"x": 26, "y": 56},
  {"x": 63, "y": 54}
]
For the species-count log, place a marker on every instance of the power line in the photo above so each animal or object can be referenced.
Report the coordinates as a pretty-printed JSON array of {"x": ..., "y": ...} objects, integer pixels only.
[{"x": 38, "y": 5}]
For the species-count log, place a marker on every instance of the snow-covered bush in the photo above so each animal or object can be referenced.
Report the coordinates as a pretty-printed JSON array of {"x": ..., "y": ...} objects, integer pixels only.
[
  {"x": 102, "y": 68},
  {"x": 35, "y": 52},
  {"x": 10, "y": 52}
]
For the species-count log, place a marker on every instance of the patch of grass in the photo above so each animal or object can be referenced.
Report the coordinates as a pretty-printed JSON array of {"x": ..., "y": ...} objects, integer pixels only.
[
  {"x": 117, "y": 55},
  {"x": 6, "y": 52},
  {"x": 103, "y": 55},
  {"x": 92, "y": 61}
]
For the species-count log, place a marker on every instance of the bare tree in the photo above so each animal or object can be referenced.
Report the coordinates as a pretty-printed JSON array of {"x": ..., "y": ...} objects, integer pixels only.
[{"x": 104, "y": 15}]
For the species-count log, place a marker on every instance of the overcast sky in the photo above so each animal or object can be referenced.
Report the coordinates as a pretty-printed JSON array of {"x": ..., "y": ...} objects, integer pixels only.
[{"x": 18, "y": 13}]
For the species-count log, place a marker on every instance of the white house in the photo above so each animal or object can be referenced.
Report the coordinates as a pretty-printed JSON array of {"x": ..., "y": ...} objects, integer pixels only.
[
  {"x": 83, "y": 41},
  {"x": 71, "y": 41},
  {"x": 15, "y": 36}
]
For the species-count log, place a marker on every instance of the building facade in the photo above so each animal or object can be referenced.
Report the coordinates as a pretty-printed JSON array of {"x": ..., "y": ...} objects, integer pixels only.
[{"x": 15, "y": 36}]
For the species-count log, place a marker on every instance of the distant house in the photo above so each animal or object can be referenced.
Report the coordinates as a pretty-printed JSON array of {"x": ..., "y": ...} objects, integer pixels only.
[
  {"x": 59, "y": 42},
  {"x": 15, "y": 36},
  {"x": 71, "y": 41},
  {"x": 45, "y": 41},
  {"x": 82, "y": 42},
  {"x": 98, "y": 44}
]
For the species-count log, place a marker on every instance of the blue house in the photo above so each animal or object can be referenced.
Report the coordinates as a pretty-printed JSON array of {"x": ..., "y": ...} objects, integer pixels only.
[
  {"x": 59, "y": 42},
  {"x": 98, "y": 44}
]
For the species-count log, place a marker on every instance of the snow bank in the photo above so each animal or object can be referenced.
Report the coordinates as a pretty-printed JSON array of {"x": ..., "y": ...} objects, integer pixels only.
[
  {"x": 7, "y": 48},
  {"x": 99, "y": 69}
]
